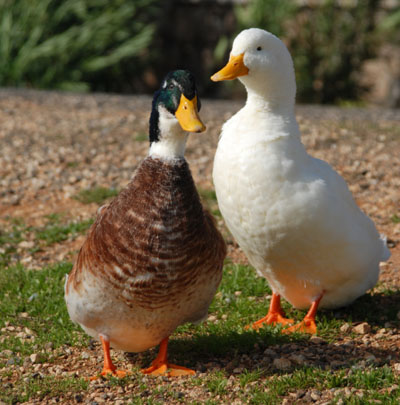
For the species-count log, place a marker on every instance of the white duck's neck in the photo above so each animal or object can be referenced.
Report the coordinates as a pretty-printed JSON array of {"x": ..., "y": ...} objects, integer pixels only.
[
  {"x": 275, "y": 117},
  {"x": 269, "y": 104},
  {"x": 172, "y": 139}
]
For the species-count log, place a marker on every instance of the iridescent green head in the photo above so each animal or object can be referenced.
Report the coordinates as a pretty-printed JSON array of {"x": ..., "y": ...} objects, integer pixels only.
[{"x": 177, "y": 97}]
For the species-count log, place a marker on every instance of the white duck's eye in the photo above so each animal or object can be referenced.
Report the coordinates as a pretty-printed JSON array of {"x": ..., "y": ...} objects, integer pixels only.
[{"x": 259, "y": 48}]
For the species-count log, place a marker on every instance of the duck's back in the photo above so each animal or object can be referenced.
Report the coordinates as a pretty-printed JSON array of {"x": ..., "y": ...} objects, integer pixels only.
[{"x": 154, "y": 249}]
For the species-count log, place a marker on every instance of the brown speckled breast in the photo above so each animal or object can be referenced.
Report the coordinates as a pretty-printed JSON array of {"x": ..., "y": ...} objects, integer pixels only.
[{"x": 154, "y": 240}]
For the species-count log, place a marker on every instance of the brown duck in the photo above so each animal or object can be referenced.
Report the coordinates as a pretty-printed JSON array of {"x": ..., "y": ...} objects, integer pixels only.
[{"x": 153, "y": 258}]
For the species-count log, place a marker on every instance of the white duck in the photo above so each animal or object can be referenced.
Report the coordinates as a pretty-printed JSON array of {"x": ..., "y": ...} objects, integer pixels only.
[{"x": 292, "y": 214}]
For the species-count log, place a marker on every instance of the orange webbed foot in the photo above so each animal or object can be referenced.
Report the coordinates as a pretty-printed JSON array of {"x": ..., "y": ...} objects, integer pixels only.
[
  {"x": 108, "y": 368},
  {"x": 275, "y": 315},
  {"x": 160, "y": 365},
  {"x": 305, "y": 326},
  {"x": 168, "y": 370},
  {"x": 110, "y": 372},
  {"x": 270, "y": 319}
]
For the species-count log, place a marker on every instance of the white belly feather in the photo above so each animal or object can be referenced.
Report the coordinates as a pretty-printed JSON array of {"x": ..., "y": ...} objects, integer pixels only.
[{"x": 295, "y": 219}]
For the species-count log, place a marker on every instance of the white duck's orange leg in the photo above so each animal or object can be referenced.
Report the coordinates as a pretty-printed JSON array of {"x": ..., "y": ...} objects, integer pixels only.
[
  {"x": 307, "y": 325},
  {"x": 275, "y": 315},
  {"x": 160, "y": 365},
  {"x": 109, "y": 367}
]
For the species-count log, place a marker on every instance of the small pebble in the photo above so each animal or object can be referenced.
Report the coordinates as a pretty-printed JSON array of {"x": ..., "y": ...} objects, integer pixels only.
[
  {"x": 345, "y": 328},
  {"x": 362, "y": 328},
  {"x": 282, "y": 363}
]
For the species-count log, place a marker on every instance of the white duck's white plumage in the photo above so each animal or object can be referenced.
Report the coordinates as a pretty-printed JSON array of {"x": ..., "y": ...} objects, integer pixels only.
[{"x": 292, "y": 214}]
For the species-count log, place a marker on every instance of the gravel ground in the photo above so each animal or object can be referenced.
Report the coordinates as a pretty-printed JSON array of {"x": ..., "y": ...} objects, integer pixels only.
[{"x": 53, "y": 145}]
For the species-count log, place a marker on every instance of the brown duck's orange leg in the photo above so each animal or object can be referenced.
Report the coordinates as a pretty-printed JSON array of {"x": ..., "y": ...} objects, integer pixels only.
[
  {"x": 275, "y": 315},
  {"x": 160, "y": 365},
  {"x": 307, "y": 325},
  {"x": 109, "y": 367}
]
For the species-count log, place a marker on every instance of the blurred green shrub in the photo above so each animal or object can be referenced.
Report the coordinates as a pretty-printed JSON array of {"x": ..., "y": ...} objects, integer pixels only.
[
  {"x": 75, "y": 45},
  {"x": 389, "y": 26},
  {"x": 267, "y": 14},
  {"x": 328, "y": 42}
]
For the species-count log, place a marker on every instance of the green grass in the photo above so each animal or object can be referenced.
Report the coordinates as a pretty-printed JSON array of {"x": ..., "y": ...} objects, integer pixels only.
[
  {"x": 55, "y": 231},
  {"x": 395, "y": 219},
  {"x": 34, "y": 299},
  {"x": 95, "y": 195},
  {"x": 38, "y": 293},
  {"x": 9, "y": 240},
  {"x": 44, "y": 387},
  {"x": 209, "y": 200},
  {"x": 141, "y": 137}
]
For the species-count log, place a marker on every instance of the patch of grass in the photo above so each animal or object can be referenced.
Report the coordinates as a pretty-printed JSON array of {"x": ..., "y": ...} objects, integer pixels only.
[
  {"x": 249, "y": 376},
  {"x": 141, "y": 137},
  {"x": 73, "y": 164},
  {"x": 395, "y": 219},
  {"x": 209, "y": 200},
  {"x": 10, "y": 238},
  {"x": 33, "y": 314},
  {"x": 272, "y": 390},
  {"x": 351, "y": 103},
  {"x": 39, "y": 295},
  {"x": 95, "y": 195},
  {"x": 364, "y": 308},
  {"x": 13, "y": 236},
  {"x": 217, "y": 384},
  {"x": 55, "y": 232},
  {"x": 35, "y": 387}
]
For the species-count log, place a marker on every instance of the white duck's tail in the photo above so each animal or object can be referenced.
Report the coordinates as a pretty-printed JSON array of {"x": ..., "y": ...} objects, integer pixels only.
[{"x": 385, "y": 250}]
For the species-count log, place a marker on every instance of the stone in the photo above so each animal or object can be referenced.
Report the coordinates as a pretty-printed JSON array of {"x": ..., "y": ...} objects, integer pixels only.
[
  {"x": 85, "y": 355},
  {"x": 26, "y": 244},
  {"x": 36, "y": 358},
  {"x": 49, "y": 346},
  {"x": 270, "y": 352},
  {"x": 315, "y": 395},
  {"x": 298, "y": 359},
  {"x": 211, "y": 318},
  {"x": 6, "y": 353},
  {"x": 282, "y": 363},
  {"x": 78, "y": 398},
  {"x": 316, "y": 340},
  {"x": 362, "y": 328},
  {"x": 345, "y": 328}
]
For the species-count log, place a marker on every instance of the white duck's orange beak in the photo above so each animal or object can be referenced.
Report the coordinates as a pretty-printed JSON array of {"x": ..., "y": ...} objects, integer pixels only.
[
  {"x": 233, "y": 69},
  {"x": 188, "y": 116}
]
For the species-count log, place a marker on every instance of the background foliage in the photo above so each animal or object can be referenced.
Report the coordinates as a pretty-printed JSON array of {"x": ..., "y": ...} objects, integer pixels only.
[
  {"x": 124, "y": 46},
  {"x": 74, "y": 44},
  {"x": 328, "y": 42}
]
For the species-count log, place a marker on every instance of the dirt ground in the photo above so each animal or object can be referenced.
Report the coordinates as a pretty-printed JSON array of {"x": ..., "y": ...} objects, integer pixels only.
[{"x": 53, "y": 145}]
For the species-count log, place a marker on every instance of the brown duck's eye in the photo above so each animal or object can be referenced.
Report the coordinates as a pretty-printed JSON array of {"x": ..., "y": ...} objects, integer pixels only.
[
  {"x": 259, "y": 48},
  {"x": 170, "y": 86}
]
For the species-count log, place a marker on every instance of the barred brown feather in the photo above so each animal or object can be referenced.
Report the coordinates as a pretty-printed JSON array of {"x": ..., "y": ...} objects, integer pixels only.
[{"x": 154, "y": 243}]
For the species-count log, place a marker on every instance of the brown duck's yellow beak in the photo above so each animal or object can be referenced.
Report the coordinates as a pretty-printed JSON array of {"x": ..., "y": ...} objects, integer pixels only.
[
  {"x": 188, "y": 116},
  {"x": 233, "y": 69}
]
